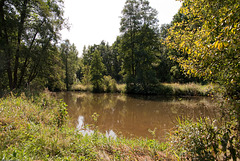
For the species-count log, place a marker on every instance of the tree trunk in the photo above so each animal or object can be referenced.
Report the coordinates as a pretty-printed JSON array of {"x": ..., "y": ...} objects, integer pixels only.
[
  {"x": 66, "y": 63},
  {"x": 20, "y": 31},
  {"x": 26, "y": 60},
  {"x": 5, "y": 45}
]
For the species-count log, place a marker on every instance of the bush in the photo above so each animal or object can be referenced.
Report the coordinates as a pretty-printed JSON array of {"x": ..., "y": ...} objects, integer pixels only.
[
  {"x": 151, "y": 89},
  {"x": 110, "y": 84},
  {"x": 204, "y": 140}
]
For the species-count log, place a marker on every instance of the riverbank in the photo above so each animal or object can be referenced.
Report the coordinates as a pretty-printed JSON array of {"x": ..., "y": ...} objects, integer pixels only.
[
  {"x": 36, "y": 128},
  {"x": 167, "y": 89}
]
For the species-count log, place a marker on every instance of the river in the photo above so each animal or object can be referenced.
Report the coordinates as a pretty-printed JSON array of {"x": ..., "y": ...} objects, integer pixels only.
[{"x": 134, "y": 115}]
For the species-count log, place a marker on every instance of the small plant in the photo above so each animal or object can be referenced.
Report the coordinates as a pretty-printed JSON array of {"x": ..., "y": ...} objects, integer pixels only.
[
  {"x": 95, "y": 117},
  {"x": 153, "y": 132},
  {"x": 204, "y": 140},
  {"x": 62, "y": 114}
]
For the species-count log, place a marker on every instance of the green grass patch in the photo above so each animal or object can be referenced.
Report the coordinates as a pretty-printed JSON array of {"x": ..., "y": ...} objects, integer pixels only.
[{"x": 36, "y": 128}]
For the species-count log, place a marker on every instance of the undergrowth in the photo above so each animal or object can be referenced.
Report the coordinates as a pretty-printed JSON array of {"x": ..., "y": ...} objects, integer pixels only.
[{"x": 205, "y": 140}]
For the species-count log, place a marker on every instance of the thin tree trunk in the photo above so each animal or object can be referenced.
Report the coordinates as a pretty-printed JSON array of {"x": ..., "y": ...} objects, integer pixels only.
[
  {"x": 66, "y": 63},
  {"x": 24, "y": 67},
  {"x": 6, "y": 46},
  {"x": 20, "y": 32},
  {"x": 34, "y": 72}
]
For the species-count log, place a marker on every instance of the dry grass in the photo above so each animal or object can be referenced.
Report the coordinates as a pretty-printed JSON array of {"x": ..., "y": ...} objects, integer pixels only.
[
  {"x": 81, "y": 87},
  {"x": 190, "y": 89},
  {"x": 175, "y": 89},
  {"x": 121, "y": 88}
]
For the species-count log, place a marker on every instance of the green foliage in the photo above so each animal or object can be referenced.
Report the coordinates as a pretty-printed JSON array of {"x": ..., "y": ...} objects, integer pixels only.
[
  {"x": 70, "y": 60},
  {"x": 117, "y": 61},
  {"x": 206, "y": 34},
  {"x": 205, "y": 140},
  {"x": 29, "y": 31},
  {"x": 96, "y": 69},
  {"x": 54, "y": 80},
  {"x": 139, "y": 43},
  {"x": 110, "y": 85},
  {"x": 86, "y": 80},
  {"x": 207, "y": 37},
  {"x": 80, "y": 70},
  {"x": 110, "y": 57}
]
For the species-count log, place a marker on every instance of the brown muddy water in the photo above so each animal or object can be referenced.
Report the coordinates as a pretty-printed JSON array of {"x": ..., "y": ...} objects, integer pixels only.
[{"x": 133, "y": 115}]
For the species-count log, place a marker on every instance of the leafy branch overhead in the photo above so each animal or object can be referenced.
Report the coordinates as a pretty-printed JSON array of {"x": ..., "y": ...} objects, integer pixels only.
[{"x": 29, "y": 31}]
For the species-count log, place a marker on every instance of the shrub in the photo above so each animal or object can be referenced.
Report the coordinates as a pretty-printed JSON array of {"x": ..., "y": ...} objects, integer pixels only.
[
  {"x": 110, "y": 84},
  {"x": 204, "y": 140}
]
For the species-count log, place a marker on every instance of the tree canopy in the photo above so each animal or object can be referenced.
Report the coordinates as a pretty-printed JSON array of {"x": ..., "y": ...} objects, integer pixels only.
[
  {"x": 139, "y": 26},
  {"x": 208, "y": 35},
  {"x": 29, "y": 31}
]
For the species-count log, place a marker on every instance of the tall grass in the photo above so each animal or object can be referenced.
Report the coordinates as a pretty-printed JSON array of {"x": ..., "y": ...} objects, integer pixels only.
[
  {"x": 170, "y": 89},
  {"x": 36, "y": 128},
  {"x": 190, "y": 89}
]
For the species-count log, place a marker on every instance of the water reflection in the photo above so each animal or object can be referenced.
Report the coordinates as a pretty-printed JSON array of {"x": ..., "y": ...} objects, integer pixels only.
[
  {"x": 134, "y": 115},
  {"x": 82, "y": 129},
  {"x": 85, "y": 129}
]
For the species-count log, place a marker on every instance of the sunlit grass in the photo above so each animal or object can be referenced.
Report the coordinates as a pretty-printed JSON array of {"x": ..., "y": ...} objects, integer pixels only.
[
  {"x": 81, "y": 87},
  {"x": 190, "y": 89},
  {"x": 175, "y": 89},
  {"x": 121, "y": 88}
]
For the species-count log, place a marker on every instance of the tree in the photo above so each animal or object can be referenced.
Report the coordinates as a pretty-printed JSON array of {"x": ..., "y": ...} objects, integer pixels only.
[
  {"x": 110, "y": 58},
  {"x": 116, "y": 58},
  {"x": 70, "y": 59},
  {"x": 28, "y": 32},
  {"x": 97, "y": 69},
  {"x": 130, "y": 23},
  {"x": 139, "y": 26},
  {"x": 209, "y": 40},
  {"x": 80, "y": 69},
  {"x": 54, "y": 80},
  {"x": 106, "y": 54}
]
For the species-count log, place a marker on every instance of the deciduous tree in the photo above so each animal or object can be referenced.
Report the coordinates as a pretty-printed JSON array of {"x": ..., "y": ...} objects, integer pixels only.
[
  {"x": 208, "y": 36},
  {"x": 139, "y": 26},
  {"x": 28, "y": 30}
]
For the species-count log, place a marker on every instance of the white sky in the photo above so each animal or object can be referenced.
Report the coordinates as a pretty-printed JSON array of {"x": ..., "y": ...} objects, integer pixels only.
[{"x": 92, "y": 21}]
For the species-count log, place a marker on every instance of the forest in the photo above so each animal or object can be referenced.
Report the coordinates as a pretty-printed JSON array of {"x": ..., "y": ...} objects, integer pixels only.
[
  {"x": 31, "y": 49},
  {"x": 200, "y": 45}
]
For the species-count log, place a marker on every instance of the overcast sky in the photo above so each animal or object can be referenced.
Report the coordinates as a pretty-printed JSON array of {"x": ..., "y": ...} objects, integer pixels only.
[{"x": 92, "y": 21}]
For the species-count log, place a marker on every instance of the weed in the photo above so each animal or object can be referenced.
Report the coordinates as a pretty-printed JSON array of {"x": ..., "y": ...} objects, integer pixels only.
[{"x": 204, "y": 140}]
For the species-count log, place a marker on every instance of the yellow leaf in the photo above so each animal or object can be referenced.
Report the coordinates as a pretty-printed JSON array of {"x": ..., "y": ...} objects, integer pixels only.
[
  {"x": 220, "y": 46},
  {"x": 216, "y": 44}
]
